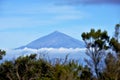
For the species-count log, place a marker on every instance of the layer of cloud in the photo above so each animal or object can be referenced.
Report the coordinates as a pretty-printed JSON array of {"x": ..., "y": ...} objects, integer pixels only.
[
  {"x": 37, "y": 15},
  {"x": 52, "y": 53},
  {"x": 77, "y": 2}
]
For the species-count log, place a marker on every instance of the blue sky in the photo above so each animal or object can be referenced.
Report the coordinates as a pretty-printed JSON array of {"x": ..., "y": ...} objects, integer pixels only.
[{"x": 22, "y": 21}]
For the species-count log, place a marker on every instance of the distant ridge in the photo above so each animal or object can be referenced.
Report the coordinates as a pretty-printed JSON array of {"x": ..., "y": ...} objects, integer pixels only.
[{"x": 55, "y": 40}]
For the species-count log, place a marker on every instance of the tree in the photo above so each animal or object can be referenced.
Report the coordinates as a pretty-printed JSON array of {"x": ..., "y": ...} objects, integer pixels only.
[
  {"x": 117, "y": 32},
  {"x": 112, "y": 61},
  {"x": 112, "y": 69},
  {"x": 2, "y": 53},
  {"x": 96, "y": 44}
]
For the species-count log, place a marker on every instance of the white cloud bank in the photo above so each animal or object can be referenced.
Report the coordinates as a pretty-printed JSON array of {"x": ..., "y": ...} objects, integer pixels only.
[{"x": 52, "y": 53}]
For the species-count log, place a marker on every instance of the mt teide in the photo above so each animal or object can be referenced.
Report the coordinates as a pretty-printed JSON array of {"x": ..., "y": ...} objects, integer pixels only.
[{"x": 55, "y": 40}]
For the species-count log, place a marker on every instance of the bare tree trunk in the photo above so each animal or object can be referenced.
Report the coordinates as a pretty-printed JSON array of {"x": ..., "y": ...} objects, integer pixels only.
[
  {"x": 9, "y": 77},
  {"x": 116, "y": 76},
  {"x": 18, "y": 76}
]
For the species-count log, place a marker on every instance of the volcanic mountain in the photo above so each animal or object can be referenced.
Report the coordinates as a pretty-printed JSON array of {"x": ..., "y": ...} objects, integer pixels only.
[{"x": 55, "y": 40}]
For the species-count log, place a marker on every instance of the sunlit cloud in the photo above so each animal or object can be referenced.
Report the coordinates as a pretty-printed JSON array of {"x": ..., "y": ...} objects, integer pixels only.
[{"x": 78, "y": 53}]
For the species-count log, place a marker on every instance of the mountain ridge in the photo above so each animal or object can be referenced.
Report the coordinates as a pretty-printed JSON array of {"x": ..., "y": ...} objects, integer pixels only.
[{"x": 55, "y": 40}]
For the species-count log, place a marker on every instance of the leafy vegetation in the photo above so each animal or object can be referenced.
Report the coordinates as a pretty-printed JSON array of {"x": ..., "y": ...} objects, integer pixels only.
[
  {"x": 30, "y": 68},
  {"x": 103, "y": 62},
  {"x": 112, "y": 69},
  {"x": 2, "y": 53},
  {"x": 96, "y": 44}
]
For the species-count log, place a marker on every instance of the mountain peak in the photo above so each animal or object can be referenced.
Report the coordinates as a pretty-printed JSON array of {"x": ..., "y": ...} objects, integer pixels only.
[
  {"x": 55, "y": 40},
  {"x": 57, "y": 32}
]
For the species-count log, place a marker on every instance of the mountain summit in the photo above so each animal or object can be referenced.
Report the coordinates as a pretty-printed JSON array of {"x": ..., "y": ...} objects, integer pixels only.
[{"x": 55, "y": 40}]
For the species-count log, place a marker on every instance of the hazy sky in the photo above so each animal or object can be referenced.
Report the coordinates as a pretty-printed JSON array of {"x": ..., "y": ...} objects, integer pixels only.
[{"x": 22, "y": 21}]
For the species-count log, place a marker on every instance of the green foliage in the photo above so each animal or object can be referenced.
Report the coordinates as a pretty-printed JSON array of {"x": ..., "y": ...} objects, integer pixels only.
[
  {"x": 114, "y": 42},
  {"x": 112, "y": 70},
  {"x": 2, "y": 53},
  {"x": 96, "y": 44},
  {"x": 117, "y": 32},
  {"x": 115, "y": 45},
  {"x": 112, "y": 61},
  {"x": 30, "y": 68}
]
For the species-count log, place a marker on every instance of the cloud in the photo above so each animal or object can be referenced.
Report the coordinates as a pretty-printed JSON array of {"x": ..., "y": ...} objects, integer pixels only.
[
  {"x": 52, "y": 53},
  {"x": 77, "y": 2},
  {"x": 37, "y": 15},
  {"x": 68, "y": 17}
]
